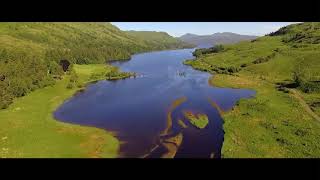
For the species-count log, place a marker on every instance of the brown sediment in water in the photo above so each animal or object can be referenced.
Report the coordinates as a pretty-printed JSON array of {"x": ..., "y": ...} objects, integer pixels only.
[
  {"x": 169, "y": 142},
  {"x": 172, "y": 107},
  {"x": 182, "y": 124},
  {"x": 172, "y": 145},
  {"x": 215, "y": 105},
  {"x": 121, "y": 142},
  {"x": 171, "y": 150}
]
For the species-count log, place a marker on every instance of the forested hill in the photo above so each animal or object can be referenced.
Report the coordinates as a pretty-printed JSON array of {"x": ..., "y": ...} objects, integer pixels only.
[
  {"x": 159, "y": 39},
  {"x": 30, "y": 52},
  {"x": 80, "y": 42}
]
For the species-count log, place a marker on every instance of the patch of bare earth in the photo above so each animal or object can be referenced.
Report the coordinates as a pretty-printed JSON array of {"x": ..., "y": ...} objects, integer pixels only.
[{"x": 304, "y": 105}]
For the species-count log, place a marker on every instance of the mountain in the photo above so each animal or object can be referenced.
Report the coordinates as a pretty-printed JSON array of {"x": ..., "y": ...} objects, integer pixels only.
[
  {"x": 214, "y": 39},
  {"x": 30, "y": 53}
]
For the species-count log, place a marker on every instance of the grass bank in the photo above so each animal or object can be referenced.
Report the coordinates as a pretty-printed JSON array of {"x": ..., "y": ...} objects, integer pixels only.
[
  {"x": 28, "y": 128},
  {"x": 283, "y": 69},
  {"x": 273, "y": 124}
]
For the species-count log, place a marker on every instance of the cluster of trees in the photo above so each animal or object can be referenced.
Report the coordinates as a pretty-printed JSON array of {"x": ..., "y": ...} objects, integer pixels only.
[
  {"x": 115, "y": 73},
  {"x": 202, "y": 51},
  {"x": 226, "y": 70},
  {"x": 89, "y": 54},
  {"x": 21, "y": 74},
  {"x": 30, "y": 53}
]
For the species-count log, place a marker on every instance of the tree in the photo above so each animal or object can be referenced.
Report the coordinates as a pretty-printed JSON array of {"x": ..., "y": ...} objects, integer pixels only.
[
  {"x": 64, "y": 64},
  {"x": 73, "y": 81}
]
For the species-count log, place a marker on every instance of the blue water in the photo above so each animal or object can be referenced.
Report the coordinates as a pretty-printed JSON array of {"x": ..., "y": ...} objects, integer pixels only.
[{"x": 136, "y": 108}]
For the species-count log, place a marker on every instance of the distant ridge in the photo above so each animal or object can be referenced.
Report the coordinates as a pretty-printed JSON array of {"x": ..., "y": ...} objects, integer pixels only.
[
  {"x": 216, "y": 38},
  {"x": 158, "y": 38}
]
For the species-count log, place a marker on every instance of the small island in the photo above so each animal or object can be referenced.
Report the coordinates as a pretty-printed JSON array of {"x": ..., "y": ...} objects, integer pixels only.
[{"x": 198, "y": 120}]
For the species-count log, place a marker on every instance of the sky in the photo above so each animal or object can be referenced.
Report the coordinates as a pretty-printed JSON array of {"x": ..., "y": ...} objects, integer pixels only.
[{"x": 177, "y": 29}]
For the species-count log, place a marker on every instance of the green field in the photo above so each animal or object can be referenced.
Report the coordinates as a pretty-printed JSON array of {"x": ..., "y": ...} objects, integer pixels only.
[
  {"x": 283, "y": 68},
  {"x": 28, "y": 128}
]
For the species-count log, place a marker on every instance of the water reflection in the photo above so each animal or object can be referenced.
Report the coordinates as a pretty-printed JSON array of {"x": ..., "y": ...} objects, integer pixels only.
[{"x": 137, "y": 109}]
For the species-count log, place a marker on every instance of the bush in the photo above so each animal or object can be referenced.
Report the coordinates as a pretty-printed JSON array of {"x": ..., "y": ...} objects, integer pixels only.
[
  {"x": 70, "y": 85},
  {"x": 264, "y": 59},
  {"x": 202, "y": 51},
  {"x": 233, "y": 69},
  {"x": 260, "y": 60},
  {"x": 2, "y": 77},
  {"x": 309, "y": 86},
  {"x": 243, "y": 65},
  {"x": 5, "y": 100},
  {"x": 73, "y": 81},
  {"x": 217, "y": 48},
  {"x": 54, "y": 69},
  {"x": 304, "y": 83},
  {"x": 113, "y": 72}
]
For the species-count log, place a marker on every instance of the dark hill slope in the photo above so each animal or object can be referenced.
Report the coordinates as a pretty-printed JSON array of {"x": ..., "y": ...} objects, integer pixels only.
[{"x": 158, "y": 39}]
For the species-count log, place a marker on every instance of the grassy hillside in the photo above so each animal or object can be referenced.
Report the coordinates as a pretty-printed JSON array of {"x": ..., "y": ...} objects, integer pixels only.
[
  {"x": 283, "y": 68},
  {"x": 30, "y": 52}
]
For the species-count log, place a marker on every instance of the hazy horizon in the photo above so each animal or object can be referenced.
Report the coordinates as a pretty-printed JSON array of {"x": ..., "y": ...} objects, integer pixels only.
[{"x": 178, "y": 29}]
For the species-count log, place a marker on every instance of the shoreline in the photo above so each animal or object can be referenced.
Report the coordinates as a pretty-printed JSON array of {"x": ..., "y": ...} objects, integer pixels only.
[
  {"x": 274, "y": 129},
  {"x": 87, "y": 82},
  {"x": 58, "y": 95},
  {"x": 66, "y": 139},
  {"x": 152, "y": 51}
]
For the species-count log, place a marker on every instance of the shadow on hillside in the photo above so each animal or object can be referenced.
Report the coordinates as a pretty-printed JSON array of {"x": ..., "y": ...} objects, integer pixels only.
[{"x": 284, "y": 86}]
